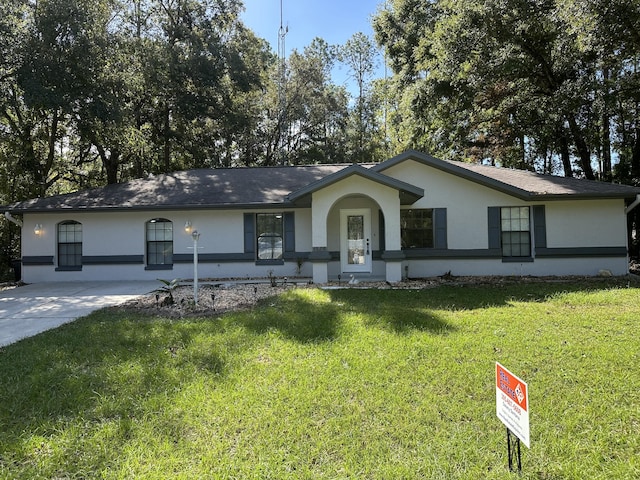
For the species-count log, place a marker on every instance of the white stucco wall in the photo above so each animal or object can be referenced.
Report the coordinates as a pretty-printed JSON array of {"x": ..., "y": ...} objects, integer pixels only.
[
  {"x": 123, "y": 233},
  {"x": 33, "y": 244},
  {"x": 587, "y": 223},
  {"x": 542, "y": 267},
  {"x": 330, "y": 198}
]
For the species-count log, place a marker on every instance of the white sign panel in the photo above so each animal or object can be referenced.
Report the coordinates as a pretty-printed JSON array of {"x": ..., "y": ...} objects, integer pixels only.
[{"x": 512, "y": 403}]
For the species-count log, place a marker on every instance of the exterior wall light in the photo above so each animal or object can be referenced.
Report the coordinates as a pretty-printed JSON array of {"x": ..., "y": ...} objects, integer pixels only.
[
  {"x": 38, "y": 229},
  {"x": 187, "y": 226}
]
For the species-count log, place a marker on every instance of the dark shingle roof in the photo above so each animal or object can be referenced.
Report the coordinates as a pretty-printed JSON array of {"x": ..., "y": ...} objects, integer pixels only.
[
  {"x": 204, "y": 188},
  {"x": 284, "y": 186}
]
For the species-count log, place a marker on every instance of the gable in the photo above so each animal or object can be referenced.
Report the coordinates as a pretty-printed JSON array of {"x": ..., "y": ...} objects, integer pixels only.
[
  {"x": 408, "y": 193},
  {"x": 444, "y": 189}
]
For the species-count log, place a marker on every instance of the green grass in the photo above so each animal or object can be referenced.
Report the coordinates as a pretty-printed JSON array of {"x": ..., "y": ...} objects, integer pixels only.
[{"x": 332, "y": 384}]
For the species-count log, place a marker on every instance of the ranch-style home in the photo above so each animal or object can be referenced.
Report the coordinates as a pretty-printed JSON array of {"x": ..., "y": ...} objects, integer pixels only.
[{"x": 410, "y": 216}]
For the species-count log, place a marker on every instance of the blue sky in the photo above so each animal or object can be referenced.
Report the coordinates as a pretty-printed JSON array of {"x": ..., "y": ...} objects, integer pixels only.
[{"x": 333, "y": 20}]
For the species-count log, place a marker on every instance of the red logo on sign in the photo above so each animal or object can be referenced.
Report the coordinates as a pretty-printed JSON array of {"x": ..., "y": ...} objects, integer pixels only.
[{"x": 511, "y": 386}]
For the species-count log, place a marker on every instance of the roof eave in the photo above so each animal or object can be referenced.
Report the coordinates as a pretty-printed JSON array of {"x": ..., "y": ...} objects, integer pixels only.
[
  {"x": 151, "y": 208},
  {"x": 579, "y": 196}
]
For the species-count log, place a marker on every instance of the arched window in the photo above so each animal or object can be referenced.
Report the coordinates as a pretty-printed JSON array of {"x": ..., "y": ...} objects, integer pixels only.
[
  {"x": 70, "y": 244},
  {"x": 159, "y": 242}
]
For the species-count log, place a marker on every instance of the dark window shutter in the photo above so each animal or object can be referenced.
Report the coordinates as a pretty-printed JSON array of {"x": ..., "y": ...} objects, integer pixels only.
[
  {"x": 494, "y": 227},
  {"x": 249, "y": 233},
  {"x": 539, "y": 226},
  {"x": 440, "y": 228},
  {"x": 289, "y": 232},
  {"x": 381, "y": 232}
]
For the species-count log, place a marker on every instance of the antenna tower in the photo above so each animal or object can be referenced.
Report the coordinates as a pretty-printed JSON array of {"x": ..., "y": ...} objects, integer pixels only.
[{"x": 282, "y": 98}]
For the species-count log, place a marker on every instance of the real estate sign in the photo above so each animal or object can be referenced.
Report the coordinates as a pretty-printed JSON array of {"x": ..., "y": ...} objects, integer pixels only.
[{"x": 512, "y": 403}]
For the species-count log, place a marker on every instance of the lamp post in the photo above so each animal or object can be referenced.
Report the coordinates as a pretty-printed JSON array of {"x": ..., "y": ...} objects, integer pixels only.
[{"x": 195, "y": 235}]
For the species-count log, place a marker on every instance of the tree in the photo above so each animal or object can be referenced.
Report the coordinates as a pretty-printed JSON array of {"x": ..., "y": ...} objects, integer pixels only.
[
  {"x": 361, "y": 57},
  {"x": 70, "y": 76},
  {"x": 492, "y": 81},
  {"x": 190, "y": 73},
  {"x": 316, "y": 109},
  {"x": 611, "y": 31},
  {"x": 12, "y": 184},
  {"x": 244, "y": 130},
  {"x": 426, "y": 111}
]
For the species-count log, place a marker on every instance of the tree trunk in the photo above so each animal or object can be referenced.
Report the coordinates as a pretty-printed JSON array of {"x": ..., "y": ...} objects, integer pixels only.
[
  {"x": 583, "y": 149},
  {"x": 138, "y": 159},
  {"x": 110, "y": 162},
  {"x": 635, "y": 158},
  {"x": 51, "y": 154},
  {"x": 166, "y": 156},
  {"x": 523, "y": 153},
  {"x": 607, "y": 172},
  {"x": 565, "y": 155}
]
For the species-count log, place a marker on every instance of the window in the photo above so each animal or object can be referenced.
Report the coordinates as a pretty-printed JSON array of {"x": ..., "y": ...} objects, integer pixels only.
[
  {"x": 160, "y": 242},
  {"x": 416, "y": 228},
  {"x": 269, "y": 236},
  {"x": 70, "y": 245},
  {"x": 515, "y": 232}
]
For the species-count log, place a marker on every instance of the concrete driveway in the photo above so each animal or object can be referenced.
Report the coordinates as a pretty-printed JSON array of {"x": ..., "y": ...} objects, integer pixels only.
[{"x": 31, "y": 309}]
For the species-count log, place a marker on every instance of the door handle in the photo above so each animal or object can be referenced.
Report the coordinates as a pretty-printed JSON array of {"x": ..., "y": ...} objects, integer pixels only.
[{"x": 367, "y": 246}]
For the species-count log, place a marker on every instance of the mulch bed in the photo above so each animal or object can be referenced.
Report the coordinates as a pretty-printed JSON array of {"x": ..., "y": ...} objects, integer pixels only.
[{"x": 231, "y": 295}]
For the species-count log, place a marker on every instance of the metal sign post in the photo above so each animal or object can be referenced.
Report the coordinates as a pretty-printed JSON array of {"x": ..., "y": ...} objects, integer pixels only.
[{"x": 513, "y": 449}]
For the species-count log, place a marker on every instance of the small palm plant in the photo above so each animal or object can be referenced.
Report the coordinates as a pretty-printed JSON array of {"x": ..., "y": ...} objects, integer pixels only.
[{"x": 169, "y": 286}]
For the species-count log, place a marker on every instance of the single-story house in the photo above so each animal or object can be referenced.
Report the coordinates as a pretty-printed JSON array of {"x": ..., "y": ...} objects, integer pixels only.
[{"x": 410, "y": 216}]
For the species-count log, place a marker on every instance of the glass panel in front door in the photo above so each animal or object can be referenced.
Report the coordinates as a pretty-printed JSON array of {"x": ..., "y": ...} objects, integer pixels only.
[{"x": 355, "y": 240}]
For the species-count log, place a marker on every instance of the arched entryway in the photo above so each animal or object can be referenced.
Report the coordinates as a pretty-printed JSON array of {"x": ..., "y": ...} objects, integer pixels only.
[
  {"x": 364, "y": 197},
  {"x": 351, "y": 234}
]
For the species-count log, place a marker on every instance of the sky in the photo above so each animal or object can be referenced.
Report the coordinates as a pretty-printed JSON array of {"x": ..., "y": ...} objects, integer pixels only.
[{"x": 333, "y": 20}]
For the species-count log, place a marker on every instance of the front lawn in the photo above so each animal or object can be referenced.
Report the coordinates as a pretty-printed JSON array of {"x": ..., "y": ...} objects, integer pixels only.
[{"x": 354, "y": 383}]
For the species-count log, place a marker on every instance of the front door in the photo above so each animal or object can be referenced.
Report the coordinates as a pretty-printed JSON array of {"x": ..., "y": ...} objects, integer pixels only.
[{"x": 355, "y": 240}]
